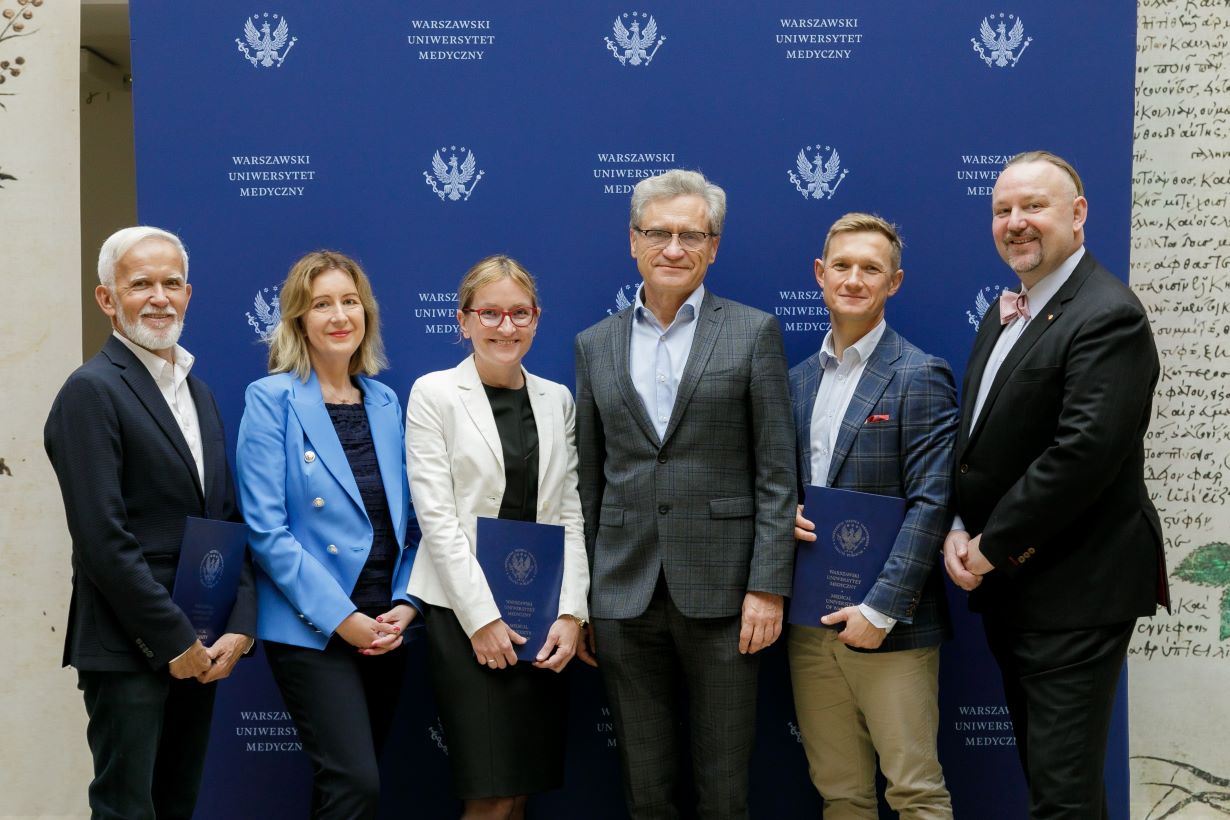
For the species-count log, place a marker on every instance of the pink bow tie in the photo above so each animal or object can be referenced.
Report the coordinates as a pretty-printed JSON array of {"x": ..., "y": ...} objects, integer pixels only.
[{"x": 1012, "y": 305}]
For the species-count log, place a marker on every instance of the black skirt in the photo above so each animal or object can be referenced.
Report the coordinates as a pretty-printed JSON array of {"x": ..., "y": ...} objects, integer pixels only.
[{"x": 504, "y": 728}]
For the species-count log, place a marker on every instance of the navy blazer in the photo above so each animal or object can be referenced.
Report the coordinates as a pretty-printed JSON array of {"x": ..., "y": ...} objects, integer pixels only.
[
  {"x": 129, "y": 480},
  {"x": 309, "y": 531},
  {"x": 907, "y": 454}
]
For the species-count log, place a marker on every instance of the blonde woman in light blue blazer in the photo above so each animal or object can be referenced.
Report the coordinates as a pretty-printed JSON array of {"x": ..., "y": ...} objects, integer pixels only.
[{"x": 321, "y": 472}]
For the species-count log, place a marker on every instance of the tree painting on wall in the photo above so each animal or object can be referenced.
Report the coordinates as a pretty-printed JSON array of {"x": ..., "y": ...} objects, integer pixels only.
[{"x": 15, "y": 20}]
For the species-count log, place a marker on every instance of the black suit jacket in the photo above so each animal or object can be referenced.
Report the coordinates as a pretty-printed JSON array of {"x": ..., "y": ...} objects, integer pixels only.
[
  {"x": 129, "y": 480},
  {"x": 1052, "y": 473}
]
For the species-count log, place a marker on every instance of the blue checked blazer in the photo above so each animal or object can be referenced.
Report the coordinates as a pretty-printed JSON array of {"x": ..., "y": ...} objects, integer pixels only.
[{"x": 908, "y": 455}]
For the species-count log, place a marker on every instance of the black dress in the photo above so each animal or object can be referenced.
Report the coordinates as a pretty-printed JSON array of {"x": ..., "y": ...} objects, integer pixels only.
[{"x": 504, "y": 728}]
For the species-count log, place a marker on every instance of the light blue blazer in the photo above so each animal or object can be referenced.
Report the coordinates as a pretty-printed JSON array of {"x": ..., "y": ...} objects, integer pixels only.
[{"x": 308, "y": 529}]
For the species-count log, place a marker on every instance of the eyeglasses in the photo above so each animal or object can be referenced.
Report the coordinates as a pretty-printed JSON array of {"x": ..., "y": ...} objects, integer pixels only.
[
  {"x": 494, "y": 317},
  {"x": 688, "y": 240}
]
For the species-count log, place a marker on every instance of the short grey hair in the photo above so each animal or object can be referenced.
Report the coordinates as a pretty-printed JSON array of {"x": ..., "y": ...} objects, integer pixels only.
[
  {"x": 125, "y": 239},
  {"x": 678, "y": 182}
]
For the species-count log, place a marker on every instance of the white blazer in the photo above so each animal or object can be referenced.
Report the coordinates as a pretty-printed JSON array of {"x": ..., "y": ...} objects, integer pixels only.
[{"x": 456, "y": 466}]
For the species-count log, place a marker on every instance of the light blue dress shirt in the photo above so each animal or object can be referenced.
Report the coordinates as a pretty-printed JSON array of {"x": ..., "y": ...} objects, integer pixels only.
[{"x": 657, "y": 355}]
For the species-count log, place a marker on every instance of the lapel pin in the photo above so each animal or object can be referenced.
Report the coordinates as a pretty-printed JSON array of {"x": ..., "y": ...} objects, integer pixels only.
[{"x": 1050, "y": 316}]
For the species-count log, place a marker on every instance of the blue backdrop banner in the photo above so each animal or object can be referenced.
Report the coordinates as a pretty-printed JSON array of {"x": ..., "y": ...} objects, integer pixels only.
[{"x": 419, "y": 137}]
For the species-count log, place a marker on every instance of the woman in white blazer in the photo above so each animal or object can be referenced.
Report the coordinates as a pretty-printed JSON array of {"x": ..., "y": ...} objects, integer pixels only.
[
  {"x": 486, "y": 438},
  {"x": 321, "y": 472}
]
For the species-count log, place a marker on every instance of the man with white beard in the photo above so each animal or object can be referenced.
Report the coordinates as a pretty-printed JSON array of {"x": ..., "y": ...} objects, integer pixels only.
[{"x": 137, "y": 445}]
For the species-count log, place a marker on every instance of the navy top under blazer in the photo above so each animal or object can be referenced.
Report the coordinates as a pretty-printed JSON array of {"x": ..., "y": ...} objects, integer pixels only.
[{"x": 310, "y": 534}]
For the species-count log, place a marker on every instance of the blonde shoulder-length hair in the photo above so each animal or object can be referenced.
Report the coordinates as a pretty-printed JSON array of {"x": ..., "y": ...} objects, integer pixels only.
[{"x": 288, "y": 345}]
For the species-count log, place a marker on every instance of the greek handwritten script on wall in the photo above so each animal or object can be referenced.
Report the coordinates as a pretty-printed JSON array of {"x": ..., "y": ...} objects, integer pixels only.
[{"x": 1181, "y": 271}]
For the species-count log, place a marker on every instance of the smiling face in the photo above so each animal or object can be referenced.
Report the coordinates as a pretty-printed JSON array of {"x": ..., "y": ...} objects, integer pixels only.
[
  {"x": 335, "y": 322},
  {"x": 672, "y": 272},
  {"x": 857, "y": 277},
  {"x": 150, "y": 296},
  {"x": 498, "y": 350},
  {"x": 1037, "y": 219}
]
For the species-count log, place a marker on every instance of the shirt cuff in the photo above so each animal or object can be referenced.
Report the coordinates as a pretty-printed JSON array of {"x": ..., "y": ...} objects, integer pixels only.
[
  {"x": 181, "y": 654},
  {"x": 878, "y": 619},
  {"x": 957, "y": 524}
]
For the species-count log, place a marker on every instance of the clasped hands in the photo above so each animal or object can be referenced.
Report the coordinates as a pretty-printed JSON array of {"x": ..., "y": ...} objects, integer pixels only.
[
  {"x": 376, "y": 636},
  {"x": 964, "y": 561},
  {"x": 212, "y": 663}
]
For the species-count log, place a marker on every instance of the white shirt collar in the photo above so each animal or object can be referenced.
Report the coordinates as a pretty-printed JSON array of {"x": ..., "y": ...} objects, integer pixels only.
[
  {"x": 862, "y": 348},
  {"x": 1046, "y": 287},
  {"x": 154, "y": 363},
  {"x": 694, "y": 299}
]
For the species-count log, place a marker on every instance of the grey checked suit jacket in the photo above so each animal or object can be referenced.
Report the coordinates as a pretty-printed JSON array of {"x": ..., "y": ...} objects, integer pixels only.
[
  {"x": 711, "y": 504},
  {"x": 908, "y": 455}
]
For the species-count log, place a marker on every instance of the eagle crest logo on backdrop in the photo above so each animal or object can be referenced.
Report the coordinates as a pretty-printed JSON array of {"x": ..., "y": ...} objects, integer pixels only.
[
  {"x": 268, "y": 313},
  {"x": 265, "y": 48},
  {"x": 633, "y": 42},
  {"x": 1000, "y": 46},
  {"x": 623, "y": 299},
  {"x": 453, "y": 176},
  {"x": 818, "y": 177},
  {"x": 982, "y": 302}
]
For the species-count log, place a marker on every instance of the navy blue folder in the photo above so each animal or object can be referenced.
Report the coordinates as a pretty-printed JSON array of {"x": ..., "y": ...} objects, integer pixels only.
[
  {"x": 207, "y": 578},
  {"x": 524, "y": 565},
  {"x": 854, "y": 536}
]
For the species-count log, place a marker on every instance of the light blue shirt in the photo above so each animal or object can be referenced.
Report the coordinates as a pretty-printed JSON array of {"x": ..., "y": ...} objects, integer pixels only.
[{"x": 657, "y": 355}]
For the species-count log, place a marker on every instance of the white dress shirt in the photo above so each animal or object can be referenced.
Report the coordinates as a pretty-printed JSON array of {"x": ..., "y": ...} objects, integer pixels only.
[
  {"x": 1037, "y": 298},
  {"x": 172, "y": 381},
  {"x": 841, "y": 377},
  {"x": 657, "y": 356}
]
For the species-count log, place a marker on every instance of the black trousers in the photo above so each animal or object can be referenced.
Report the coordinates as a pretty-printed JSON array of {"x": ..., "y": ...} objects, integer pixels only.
[
  {"x": 147, "y": 733},
  {"x": 342, "y": 704},
  {"x": 1060, "y": 688}
]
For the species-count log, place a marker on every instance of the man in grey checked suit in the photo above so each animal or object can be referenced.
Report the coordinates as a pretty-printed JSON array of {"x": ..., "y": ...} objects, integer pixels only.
[
  {"x": 877, "y": 415},
  {"x": 688, "y": 487}
]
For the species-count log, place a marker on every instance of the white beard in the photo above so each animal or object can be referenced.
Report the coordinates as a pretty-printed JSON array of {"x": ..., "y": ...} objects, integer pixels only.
[{"x": 149, "y": 338}]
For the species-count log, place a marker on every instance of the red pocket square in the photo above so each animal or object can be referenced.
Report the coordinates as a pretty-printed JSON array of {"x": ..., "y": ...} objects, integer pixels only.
[{"x": 876, "y": 418}]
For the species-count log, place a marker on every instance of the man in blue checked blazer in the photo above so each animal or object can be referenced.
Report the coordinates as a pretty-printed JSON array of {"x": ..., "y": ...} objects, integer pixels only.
[{"x": 875, "y": 414}]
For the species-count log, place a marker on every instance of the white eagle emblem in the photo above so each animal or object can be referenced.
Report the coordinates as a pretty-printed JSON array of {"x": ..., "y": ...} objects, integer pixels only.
[
  {"x": 999, "y": 45},
  {"x": 268, "y": 47},
  {"x": 814, "y": 177},
  {"x": 268, "y": 314},
  {"x": 982, "y": 303},
  {"x": 635, "y": 41},
  {"x": 622, "y": 300},
  {"x": 520, "y": 567},
  {"x": 850, "y": 537},
  {"x": 451, "y": 176}
]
